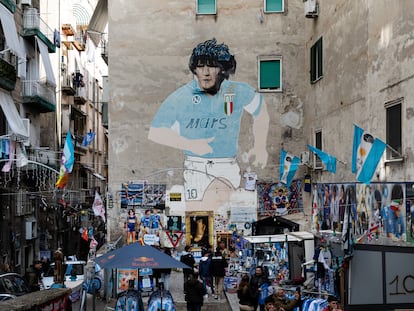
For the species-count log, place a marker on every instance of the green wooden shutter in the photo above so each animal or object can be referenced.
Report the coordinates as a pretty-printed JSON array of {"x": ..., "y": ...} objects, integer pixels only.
[
  {"x": 274, "y": 5},
  {"x": 270, "y": 74},
  {"x": 206, "y": 6}
]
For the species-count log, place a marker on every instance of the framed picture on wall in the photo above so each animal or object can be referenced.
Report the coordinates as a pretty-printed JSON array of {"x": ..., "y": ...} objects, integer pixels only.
[{"x": 199, "y": 229}]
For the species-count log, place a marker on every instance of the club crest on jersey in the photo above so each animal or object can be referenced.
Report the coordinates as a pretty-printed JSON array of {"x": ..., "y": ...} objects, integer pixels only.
[
  {"x": 196, "y": 99},
  {"x": 228, "y": 103}
]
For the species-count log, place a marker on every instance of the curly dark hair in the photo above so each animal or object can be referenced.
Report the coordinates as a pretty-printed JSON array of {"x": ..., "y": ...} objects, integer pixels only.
[{"x": 214, "y": 54}]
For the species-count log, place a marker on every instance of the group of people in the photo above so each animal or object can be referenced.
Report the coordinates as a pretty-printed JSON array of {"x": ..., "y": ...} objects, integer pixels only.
[
  {"x": 211, "y": 270},
  {"x": 256, "y": 291},
  {"x": 150, "y": 223}
]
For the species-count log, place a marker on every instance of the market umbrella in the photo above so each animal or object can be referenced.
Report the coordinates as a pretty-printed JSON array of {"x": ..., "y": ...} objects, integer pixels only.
[{"x": 136, "y": 256}]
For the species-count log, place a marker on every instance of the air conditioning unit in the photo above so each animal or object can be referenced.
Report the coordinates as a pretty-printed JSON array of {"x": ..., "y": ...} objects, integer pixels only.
[
  {"x": 304, "y": 158},
  {"x": 31, "y": 229},
  {"x": 311, "y": 8},
  {"x": 26, "y": 2}
]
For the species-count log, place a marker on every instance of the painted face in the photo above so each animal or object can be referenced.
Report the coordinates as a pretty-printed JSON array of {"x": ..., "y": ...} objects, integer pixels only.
[{"x": 207, "y": 77}]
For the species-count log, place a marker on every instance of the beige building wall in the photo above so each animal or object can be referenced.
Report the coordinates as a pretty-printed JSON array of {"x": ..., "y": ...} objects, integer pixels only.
[
  {"x": 367, "y": 63},
  {"x": 151, "y": 42}
]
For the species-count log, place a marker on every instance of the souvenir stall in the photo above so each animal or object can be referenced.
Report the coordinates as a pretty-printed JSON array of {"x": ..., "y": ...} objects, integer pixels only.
[{"x": 282, "y": 255}]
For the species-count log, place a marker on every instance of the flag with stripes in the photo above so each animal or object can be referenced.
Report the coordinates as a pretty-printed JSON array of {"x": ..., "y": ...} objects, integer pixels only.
[
  {"x": 288, "y": 167},
  {"x": 329, "y": 160},
  {"x": 366, "y": 153},
  {"x": 228, "y": 104}
]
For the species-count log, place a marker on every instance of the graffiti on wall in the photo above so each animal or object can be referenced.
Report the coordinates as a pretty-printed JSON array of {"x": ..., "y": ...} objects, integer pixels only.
[
  {"x": 378, "y": 213},
  {"x": 275, "y": 199},
  {"x": 143, "y": 194},
  {"x": 203, "y": 119}
]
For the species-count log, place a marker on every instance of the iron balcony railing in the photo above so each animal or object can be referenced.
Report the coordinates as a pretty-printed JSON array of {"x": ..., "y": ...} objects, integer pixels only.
[
  {"x": 33, "y": 88},
  {"x": 32, "y": 20}
]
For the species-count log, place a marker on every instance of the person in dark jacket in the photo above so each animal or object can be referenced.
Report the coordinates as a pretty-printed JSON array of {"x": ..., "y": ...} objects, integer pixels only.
[
  {"x": 194, "y": 293},
  {"x": 257, "y": 282},
  {"x": 218, "y": 271},
  {"x": 187, "y": 258},
  {"x": 243, "y": 293},
  {"x": 204, "y": 267},
  {"x": 33, "y": 276}
]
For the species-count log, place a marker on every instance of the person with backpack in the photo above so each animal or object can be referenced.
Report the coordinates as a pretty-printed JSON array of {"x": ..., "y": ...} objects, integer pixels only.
[{"x": 187, "y": 258}]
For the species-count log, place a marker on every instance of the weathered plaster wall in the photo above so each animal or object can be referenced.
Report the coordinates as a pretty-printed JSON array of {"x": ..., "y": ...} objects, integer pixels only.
[{"x": 367, "y": 62}]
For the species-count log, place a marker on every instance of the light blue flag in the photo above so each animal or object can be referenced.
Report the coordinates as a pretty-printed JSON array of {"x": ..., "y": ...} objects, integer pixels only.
[
  {"x": 366, "y": 153},
  {"x": 288, "y": 166},
  {"x": 329, "y": 160},
  {"x": 68, "y": 157}
]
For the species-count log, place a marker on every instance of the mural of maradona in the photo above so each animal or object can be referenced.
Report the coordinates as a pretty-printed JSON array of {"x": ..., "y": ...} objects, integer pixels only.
[{"x": 203, "y": 118}]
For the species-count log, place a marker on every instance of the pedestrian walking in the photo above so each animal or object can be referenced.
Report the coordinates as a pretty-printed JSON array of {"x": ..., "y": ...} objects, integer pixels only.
[
  {"x": 218, "y": 271},
  {"x": 204, "y": 267},
  {"x": 194, "y": 293},
  {"x": 258, "y": 283},
  {"x": 187, "y": 258}
]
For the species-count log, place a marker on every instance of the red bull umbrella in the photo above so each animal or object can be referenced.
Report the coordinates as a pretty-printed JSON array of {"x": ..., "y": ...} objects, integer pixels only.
[{"x": 136, "y": 256}]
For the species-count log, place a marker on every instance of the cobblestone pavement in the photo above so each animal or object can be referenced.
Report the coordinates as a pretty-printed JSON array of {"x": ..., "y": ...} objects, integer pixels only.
[{"x": 228, "y": 303}]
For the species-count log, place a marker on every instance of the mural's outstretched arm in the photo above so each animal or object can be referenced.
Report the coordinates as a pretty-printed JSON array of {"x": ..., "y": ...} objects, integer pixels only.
[
  {"x": 260, "y": 131},
  {"x": 169, "y": 137}
]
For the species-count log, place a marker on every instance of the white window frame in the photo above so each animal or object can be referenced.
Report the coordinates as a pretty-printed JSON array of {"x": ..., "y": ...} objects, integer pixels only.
[
  {"x": 317, "y": 162},
  {"x": 391, "y": 155}
]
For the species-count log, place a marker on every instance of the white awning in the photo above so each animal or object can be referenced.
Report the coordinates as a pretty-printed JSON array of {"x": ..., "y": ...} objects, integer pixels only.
[
  {"x": 50, "y": 77},
  {"x": 98, "y": 21},
  {"x": 9, "y": 30},
  {"x": 16, "y": 125},
  {"x": 92, "y": 171}
]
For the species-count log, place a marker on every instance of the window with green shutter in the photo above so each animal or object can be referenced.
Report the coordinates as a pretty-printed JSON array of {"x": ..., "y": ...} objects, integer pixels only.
[
  {"x": 205, "y": 7},
  {"x": 273, "y": 6},
  {"x": 316, "y": 59},
  {"x": 270, "y": 74}
]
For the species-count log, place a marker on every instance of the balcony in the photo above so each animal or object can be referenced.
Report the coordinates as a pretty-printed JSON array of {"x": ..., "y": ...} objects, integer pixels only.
[
  {"x": 104, "y": 50},
  {"x": 68, "y": 85},
  {"x": 8, "y": 75},
  {"x": 105, "y": 115},
  {"x": 79, "y": 148},
  {"x": 79, "y": 41},
  {"x": 80, "y": 95},
  {"x": 34, "y": 26},
  {"x": 9, "y": 4},
  {"x": 39, "y": 95}
]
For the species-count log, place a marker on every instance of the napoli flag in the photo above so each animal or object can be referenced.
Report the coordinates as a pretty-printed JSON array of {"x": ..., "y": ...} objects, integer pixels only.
[
  {"x": 329, "y": 160},
  {"x": 288, "y": 166},
  {"x": 366, "y": 153},
  {"x": 68, "y": 157},
  {"x": 88, "y": 139}
]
